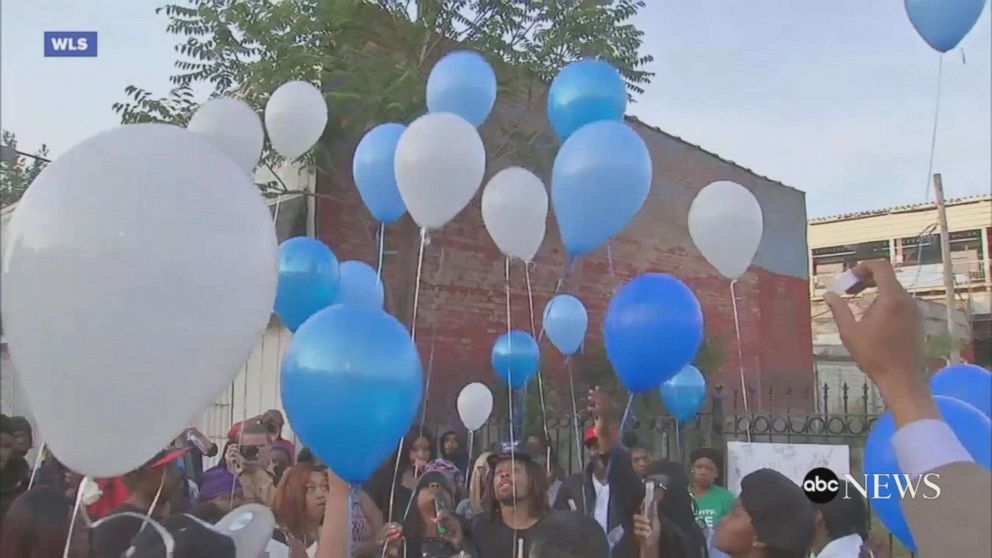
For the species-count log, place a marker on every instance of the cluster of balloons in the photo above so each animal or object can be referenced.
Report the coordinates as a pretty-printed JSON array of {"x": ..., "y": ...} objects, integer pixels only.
[
  {"x": 346, "y": 347},
  {"x": 602, "y": 173},
  {"x": 310, "y": 279},
  {"x": 964, "y": 398},
  {"x": 295, "y": 118}
]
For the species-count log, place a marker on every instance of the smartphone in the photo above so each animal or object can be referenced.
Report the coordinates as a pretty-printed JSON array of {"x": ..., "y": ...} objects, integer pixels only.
[
  {"x": 648, "y": 498},
  {"x": 847, "y": 283}
]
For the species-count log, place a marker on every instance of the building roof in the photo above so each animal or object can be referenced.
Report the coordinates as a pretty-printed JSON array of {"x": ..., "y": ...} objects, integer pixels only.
[
  {"x": 653, "y": 128},
  {"x": 900, "y": 209}
]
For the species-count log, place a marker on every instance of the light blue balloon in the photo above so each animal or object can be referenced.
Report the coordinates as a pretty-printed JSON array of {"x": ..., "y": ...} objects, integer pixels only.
[
  {"x": 600, "y": 179},
  {"x": 653, "y": 329},
  {"x": 966, "y": 382},
  {"x": 463, "y": 83},
  {"x": 565, "y": 322},
  {"x": 684, "y": 393},
  {"x": 308, "y": 280},
  {"x": 583, "y": 92},
  {"x": 973, "y": 430},
  {"x": 360, "y": 286},
  {"x": 516, "y": 358},
  {"x": 375, "y": 178},
  {"x": 943, "y": 23},
  {"x": 351, "y": 385}
]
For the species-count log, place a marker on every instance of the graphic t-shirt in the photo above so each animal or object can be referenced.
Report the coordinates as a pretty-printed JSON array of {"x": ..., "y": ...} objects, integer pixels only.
[{"x": 713, "y": 505}]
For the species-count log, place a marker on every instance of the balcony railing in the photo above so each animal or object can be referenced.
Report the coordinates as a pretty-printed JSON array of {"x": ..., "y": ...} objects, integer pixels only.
[{"x": 922, "y": 277}]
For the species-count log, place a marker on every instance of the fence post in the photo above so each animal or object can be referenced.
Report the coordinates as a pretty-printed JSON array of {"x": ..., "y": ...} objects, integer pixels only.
[{"x": 716, "y": 416}]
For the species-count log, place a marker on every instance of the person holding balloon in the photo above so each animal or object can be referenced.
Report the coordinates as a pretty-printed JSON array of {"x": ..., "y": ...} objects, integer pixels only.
[
  {"x": 918, "y": 435},
  {"x": 608, "y": 489}
]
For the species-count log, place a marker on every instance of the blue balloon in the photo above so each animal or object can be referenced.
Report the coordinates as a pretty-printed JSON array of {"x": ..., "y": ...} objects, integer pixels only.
[
  {"x": 973, "y": 430},
  {"x": 375, "y": 178},
  {"x": 464, "y": 83},
  {"x": 360, "y": 286},
  {"x": 565, "y": 322},
  {"x": 684, "y": 393},
  {"x": 308, "y": 280},
  {"x": 965, "y": 382},
  {"x": 351, "y": 385},
  {"x": 600, "y": 179},
  {"x": 653, "y": 329},
  {"x": 583, "y": 92},
  {"x": 943, "y": 23},
  {"x": 516, "y": 357}
]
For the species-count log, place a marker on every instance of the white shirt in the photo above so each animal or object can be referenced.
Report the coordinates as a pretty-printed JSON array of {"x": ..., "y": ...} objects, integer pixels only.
[
  {"x": 923, "y": 445},
  {"x": 844, "y": 547},
  {"x": 602, "y": 513}
]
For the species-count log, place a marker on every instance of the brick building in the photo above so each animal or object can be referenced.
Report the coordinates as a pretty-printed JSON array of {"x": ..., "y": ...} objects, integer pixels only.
[{"x": 462, "y": 307}]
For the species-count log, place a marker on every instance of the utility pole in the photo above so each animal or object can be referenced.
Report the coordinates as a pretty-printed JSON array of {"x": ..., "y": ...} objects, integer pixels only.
[{"x": 945, "y": 257}]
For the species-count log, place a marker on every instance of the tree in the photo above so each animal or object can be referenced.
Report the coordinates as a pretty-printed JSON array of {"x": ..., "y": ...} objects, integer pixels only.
[
  {"x": 16, "y": 173},
  {"x": 372, "y": 58}
]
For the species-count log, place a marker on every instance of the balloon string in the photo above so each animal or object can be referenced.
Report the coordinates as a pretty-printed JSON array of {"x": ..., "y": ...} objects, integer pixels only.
[
  {"x": 740, "y": 352},
  {"x": 416, "y": 289},
  {"x": 158, "y": 494},
  {"x": 430, "y": 360},
  {"x": 392, "y": 491},
  {"x": 430, "y": 373},
  {"x": 626, "y": 411},
  {"x": 470, "y": 465},
  {"x": 609, "y": 260},
  {"x": 678, "y": 439},
  {"x": 382, "y": 249},
  {"x": 37, "y": 465},
  {"x": 936, "y": 120},
  {"x": 413, "y": 335},
  {"x": 540, "y": 375},
  {"x": 575, "y": 424},
  {"x": 509, "y": 393},
  {"x": 565, "y": 271},
  {"x": 75, "y": 514}
]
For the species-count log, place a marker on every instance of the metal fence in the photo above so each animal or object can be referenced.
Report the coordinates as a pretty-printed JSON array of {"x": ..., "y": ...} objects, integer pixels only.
[{"x": 725, "y": 420}]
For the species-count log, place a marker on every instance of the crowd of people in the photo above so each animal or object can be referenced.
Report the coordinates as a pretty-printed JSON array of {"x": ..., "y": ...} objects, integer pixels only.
[{"x": 432, "y": 500}]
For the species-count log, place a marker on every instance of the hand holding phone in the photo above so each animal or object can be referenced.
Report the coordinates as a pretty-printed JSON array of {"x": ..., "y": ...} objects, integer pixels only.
[{"x": 648, "y": 503}]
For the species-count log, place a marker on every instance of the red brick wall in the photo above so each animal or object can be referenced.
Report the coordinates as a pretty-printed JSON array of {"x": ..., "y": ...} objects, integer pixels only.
[{"x": 462, "y": 307}]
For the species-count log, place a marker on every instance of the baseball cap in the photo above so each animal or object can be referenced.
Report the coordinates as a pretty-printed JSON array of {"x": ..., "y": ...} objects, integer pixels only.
[
  {"x": 781, "y": 514},
  {"x": 509, "y": 450}
]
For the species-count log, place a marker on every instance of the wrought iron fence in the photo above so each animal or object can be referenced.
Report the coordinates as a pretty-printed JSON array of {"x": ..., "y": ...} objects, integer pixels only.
[{"x": 725, "y": 420}]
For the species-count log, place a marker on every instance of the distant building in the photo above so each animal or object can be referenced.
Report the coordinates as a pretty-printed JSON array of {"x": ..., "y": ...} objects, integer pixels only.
[{"x": 909, "y": 237}]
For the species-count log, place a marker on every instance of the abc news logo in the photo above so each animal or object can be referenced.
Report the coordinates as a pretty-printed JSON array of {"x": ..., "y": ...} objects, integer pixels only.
[{"x": 822, "y": 485}]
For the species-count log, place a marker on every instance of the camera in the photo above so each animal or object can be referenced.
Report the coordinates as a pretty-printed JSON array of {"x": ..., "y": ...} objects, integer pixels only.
[{"x": 250, "y": 453}]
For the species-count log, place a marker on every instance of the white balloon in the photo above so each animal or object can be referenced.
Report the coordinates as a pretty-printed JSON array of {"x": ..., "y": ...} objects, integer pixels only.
[
  {"x": 234, "y": 127},
  {"x": 139, "y": 270},
  {"x": 439, "y": 163},
  {"x": 725, "y": 222},
  {"x": 475, "y": 403},
  {"x": 295, "y": 117},
  {"x": 250, "y": 527},
  {"x": 515, "y": 211}
]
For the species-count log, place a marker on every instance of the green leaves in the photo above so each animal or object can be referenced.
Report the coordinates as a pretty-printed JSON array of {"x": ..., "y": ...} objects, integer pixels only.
[
  {"x": 16, "y": 174},
  {"x": 373, "y": 58}
]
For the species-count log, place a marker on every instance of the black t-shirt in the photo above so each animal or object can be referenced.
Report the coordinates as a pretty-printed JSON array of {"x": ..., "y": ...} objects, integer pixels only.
[
  {"x": 494, "y": 539},
  {"x": 113, "y": 537}
]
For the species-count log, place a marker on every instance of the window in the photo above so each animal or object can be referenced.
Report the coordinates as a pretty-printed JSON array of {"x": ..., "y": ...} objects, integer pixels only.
[
  {"x": 921, "y": 250},
  {"x": 833, "y": 260}
]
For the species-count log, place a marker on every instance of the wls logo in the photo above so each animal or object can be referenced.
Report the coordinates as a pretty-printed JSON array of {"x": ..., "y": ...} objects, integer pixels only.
[
  {"x": 70, "y": 43},
  {"x": 822, "y": 485}
]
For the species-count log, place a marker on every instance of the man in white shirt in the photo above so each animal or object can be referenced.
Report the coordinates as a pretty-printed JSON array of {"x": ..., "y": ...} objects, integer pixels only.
[{"x": 841, "y": 527}]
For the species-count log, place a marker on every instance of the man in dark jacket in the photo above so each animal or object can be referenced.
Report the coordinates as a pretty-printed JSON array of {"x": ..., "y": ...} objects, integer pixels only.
[{"x": 608, "y": 490}]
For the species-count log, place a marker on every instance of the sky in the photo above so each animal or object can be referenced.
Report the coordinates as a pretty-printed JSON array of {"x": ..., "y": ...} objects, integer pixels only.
[{"x": 833, "y": 98}]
